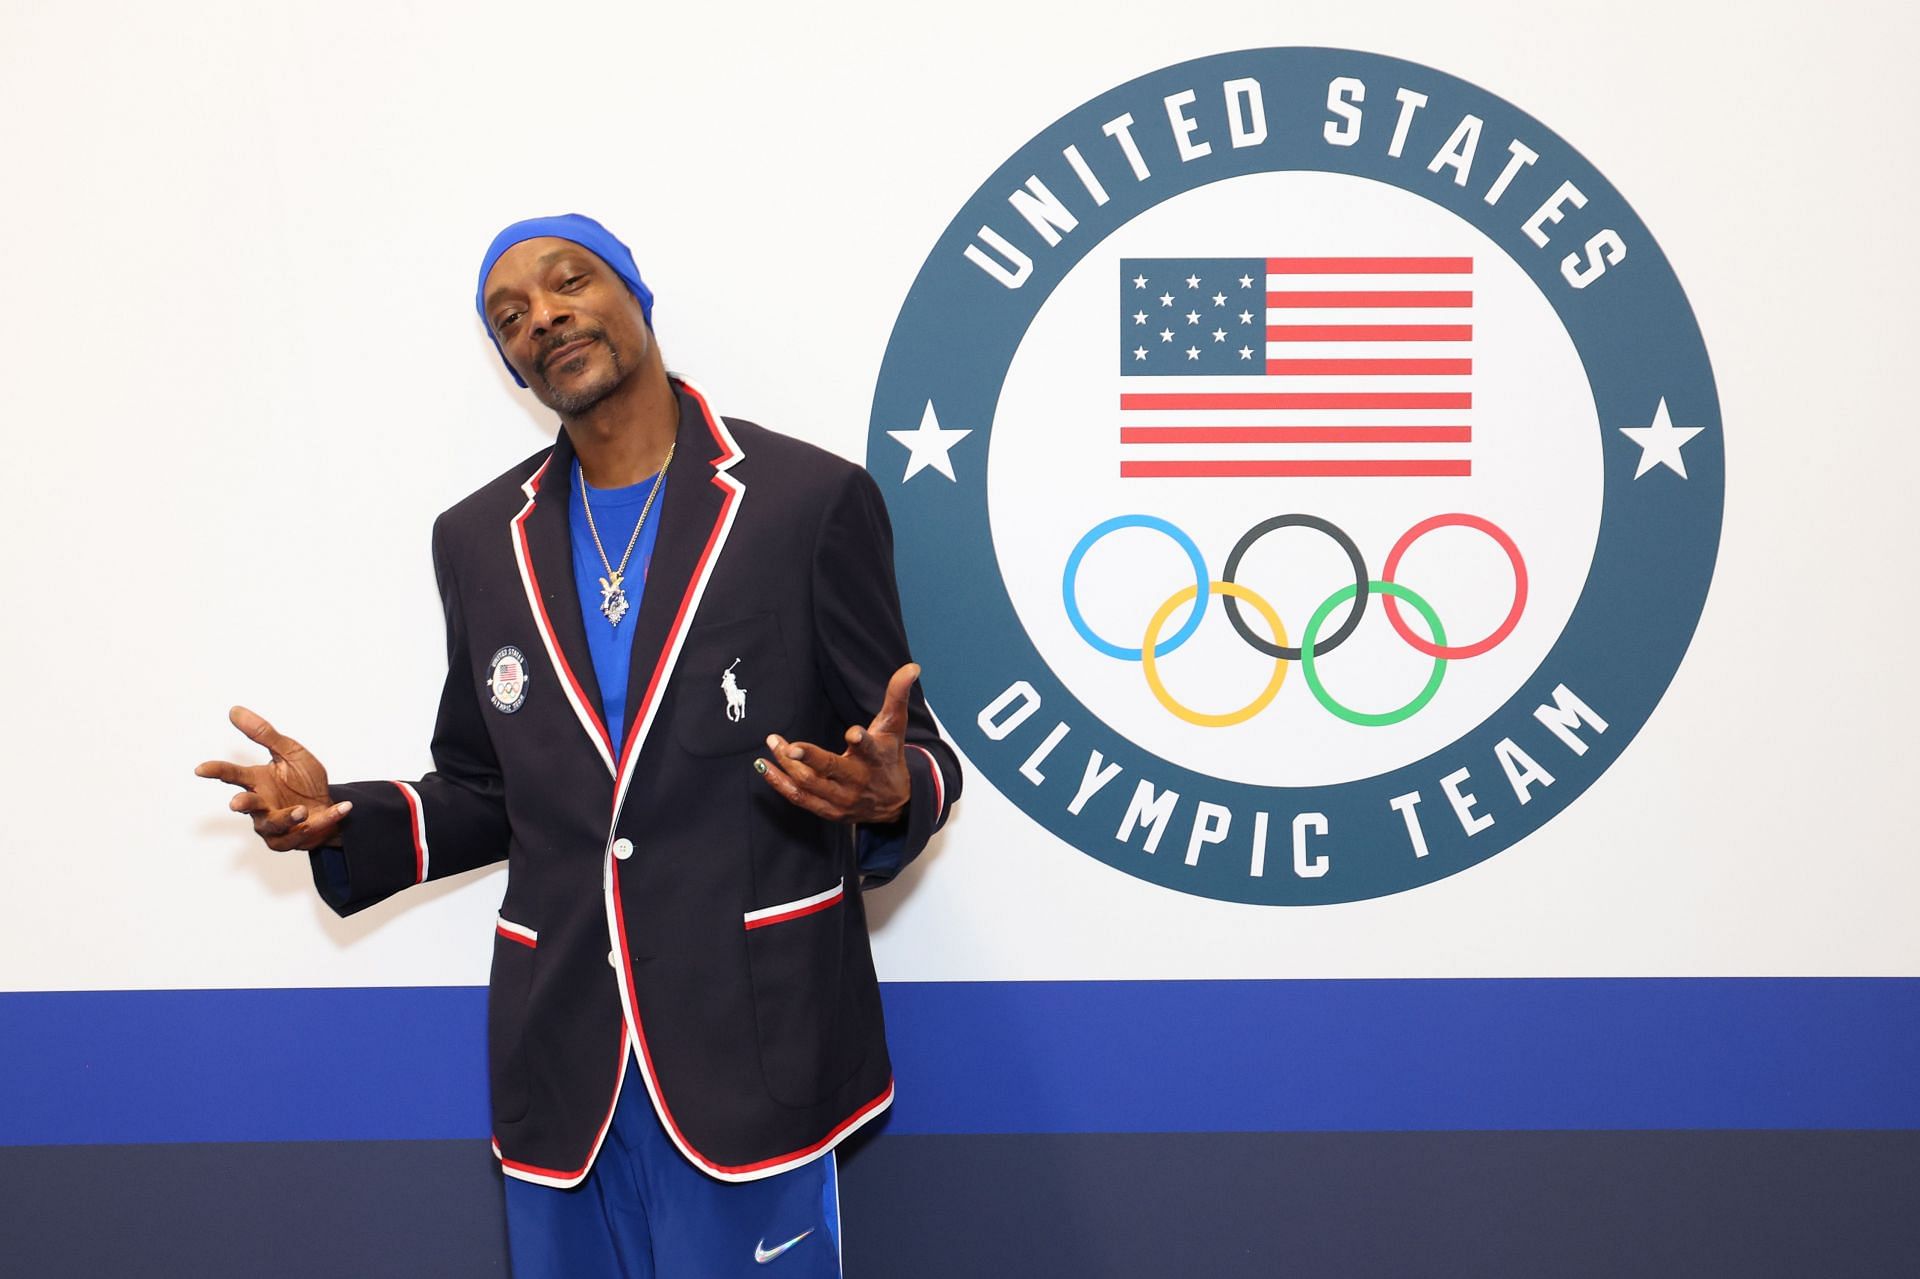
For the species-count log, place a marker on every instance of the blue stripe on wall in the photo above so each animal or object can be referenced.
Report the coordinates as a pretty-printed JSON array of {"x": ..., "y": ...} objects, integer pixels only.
[
  {"x": 243, "y": 1065},
  {"x": 1411, "y": 1055},
  {"x": 1030, "y": 1057}
]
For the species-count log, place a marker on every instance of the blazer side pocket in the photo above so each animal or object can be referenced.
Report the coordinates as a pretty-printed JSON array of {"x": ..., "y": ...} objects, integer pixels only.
[
  {"x": 514, "y": 949},
  {"x": 795, "y": 953}
]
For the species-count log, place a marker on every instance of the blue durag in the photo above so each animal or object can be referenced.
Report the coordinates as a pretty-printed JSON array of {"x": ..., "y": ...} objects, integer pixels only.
[{"x": 583, "y": 231}]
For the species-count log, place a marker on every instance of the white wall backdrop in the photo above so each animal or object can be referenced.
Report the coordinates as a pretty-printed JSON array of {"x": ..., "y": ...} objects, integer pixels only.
[{"x": 242, "y": 374}]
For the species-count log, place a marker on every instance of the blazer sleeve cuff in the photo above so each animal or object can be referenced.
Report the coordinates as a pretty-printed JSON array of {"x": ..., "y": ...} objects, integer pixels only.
[
  {"x": 383, "y": 847},
  {"x": 884, "y": 851}
]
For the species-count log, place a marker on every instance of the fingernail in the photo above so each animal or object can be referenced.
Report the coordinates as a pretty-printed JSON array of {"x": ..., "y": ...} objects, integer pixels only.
[
  {"x": 344, "y": 807},
  {"x": 773, "y": 743},
  {"x": 760, "y": 767}
]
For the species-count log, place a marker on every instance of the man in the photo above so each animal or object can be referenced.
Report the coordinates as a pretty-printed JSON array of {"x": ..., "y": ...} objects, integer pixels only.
[{"x": 648, "y": 625}]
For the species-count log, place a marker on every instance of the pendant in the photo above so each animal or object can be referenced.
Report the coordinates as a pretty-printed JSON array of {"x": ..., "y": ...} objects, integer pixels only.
[{"x": 613, "y": 600}]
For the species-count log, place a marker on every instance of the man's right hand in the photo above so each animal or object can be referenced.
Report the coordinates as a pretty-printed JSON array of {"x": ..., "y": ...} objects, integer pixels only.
[{"x": 287, "y": 796}]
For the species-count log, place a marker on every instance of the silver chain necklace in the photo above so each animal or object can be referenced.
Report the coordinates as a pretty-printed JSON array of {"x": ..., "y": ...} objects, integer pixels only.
[{"x": 613, "y": 600}]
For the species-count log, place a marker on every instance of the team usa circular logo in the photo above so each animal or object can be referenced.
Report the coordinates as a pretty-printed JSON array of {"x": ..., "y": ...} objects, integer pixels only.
[
  {"x": 507, "y": 679},
  {"x": 1306, "y": 475}
]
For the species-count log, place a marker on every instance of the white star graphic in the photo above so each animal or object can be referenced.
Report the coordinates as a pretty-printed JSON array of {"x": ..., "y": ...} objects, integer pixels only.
[
  {"x": 1193, "y": 317},
  {"x": 1219, "y": 299},
  {"x": 1139, "y": 352},
  {"x": 1139, "y": 317},
  {"x": 1166, "y": 299},
  {"x": 1246, "y": 317},
  {"x": 1139, "y": 281},
  {"x": 1166, "y": 335},
  {"x": 1246, "y": 353},
  {"x": 929, "y": 446},
  {"x": 1219, "y": 335},
  {"x": 1246, "y": 281},
  {"x": 1193, "y": 281},
  {"x": 1193, "y": 353},
  {"x": 1660, "y": 443}
]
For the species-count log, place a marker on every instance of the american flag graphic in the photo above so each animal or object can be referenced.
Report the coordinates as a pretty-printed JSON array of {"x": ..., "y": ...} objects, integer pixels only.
[{"x": 1296, "y": 367}]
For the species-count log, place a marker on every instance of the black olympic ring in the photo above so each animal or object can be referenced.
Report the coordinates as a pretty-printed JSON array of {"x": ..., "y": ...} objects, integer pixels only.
[{"x": 1360, "y": 576}]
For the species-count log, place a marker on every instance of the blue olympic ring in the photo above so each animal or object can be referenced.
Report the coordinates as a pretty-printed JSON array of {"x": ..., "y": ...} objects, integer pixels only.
[{"x": 1200, "y": 576}]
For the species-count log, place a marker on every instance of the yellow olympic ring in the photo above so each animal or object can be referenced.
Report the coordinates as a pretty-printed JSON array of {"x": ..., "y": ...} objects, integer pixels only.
[{"x": 1231, "y": 718}]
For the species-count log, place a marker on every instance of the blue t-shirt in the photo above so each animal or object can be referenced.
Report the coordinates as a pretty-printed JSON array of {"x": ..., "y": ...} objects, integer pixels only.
[{"x": 614, "y": 514}]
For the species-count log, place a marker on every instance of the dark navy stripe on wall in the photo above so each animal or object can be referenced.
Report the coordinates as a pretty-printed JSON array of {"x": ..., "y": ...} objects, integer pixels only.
[
  {"x": 1030, "y": 1057},
  {"x": 1570, "y": 1205}
]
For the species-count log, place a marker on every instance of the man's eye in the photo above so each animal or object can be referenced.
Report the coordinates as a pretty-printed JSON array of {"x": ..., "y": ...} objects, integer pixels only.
[
  {"x": 506, "y": 320},
  {"x": 571, "y": 280}
]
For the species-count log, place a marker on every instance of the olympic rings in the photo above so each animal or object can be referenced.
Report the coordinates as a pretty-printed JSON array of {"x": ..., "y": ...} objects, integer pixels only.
[
  {"x": 1311, "y": 648},
  {"x": 1259, "y": 531},
  {"x": 1326, "y": 699},
  {"x": 1149, "y": 645},
  {"x": 1438, "y": 648},
  {"x": 1200, "y": 577}
]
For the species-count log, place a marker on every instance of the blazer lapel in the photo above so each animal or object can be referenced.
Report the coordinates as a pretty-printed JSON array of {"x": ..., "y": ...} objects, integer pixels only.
[
  {"x": 697, "y": 510},
  {"x": 545, "y": 551}
]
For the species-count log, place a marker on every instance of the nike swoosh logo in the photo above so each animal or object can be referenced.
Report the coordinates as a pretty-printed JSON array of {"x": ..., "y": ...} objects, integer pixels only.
[{"x": 764, "y": 1254}]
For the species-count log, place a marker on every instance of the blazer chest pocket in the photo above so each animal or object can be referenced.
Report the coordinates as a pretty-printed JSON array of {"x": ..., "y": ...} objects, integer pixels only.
[{"x": 732, "y": 687}]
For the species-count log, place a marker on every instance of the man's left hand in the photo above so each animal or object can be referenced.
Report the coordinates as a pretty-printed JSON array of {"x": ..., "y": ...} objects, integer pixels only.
[{"x": 867, "y": 782}]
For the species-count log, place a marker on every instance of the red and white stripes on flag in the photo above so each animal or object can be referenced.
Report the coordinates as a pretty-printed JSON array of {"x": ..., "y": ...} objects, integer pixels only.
[{"x": 1368, "y": 372}]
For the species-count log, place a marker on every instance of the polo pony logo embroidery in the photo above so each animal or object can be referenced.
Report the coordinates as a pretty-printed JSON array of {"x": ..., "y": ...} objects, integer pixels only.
[{"x": 736, "y": 696}]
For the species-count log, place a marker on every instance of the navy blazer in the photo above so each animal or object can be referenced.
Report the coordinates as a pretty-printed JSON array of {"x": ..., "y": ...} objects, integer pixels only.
[{"x": 666, "y": 906}]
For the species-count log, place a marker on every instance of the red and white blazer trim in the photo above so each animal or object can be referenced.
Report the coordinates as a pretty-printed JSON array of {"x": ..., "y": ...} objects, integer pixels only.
[
  {"x": 558, "y": 1178},
  {"x": 576, "y": 696},
  {"x": 794, "y": 909},
  {"x": 515, "y": 932},
  {"x": 418, "y": 812},
  {"x": 939, "y": 783},
  {"x": 730, "y": 454},
  {"x": 735, "y": 491}
]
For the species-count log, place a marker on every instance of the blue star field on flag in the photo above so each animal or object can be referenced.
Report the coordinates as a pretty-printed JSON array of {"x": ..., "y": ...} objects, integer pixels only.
[{"x": 1193, "y": 316}]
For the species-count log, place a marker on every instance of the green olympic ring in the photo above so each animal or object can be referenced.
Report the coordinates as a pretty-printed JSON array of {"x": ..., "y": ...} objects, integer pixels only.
[{"x": 1326, "y": 699}]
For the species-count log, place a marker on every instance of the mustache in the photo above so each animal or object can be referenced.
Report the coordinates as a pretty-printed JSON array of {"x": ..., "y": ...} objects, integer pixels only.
[{"x": 559, "y": 340}]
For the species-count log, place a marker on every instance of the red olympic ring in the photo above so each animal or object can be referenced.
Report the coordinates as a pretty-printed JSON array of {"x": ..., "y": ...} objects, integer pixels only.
[{"x": 1456, "y": 651}]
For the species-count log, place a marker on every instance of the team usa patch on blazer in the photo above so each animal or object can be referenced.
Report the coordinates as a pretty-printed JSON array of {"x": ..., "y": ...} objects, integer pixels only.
[
  {"x": 507, "y": 679},
  {"x": 1325, "y": 489}
]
